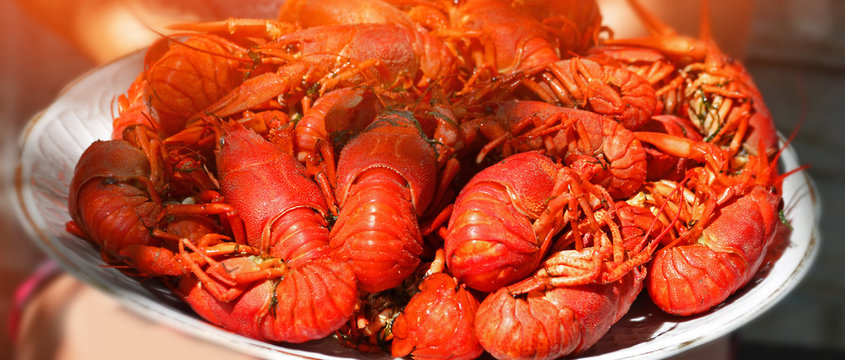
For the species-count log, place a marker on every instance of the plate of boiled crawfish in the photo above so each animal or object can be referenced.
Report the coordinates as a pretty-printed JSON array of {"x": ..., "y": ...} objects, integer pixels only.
[{"x": 424, "y": 179}]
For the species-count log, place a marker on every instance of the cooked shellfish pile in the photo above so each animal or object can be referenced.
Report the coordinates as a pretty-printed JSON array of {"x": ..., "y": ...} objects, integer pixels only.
[{"x": 434, "y": 178}]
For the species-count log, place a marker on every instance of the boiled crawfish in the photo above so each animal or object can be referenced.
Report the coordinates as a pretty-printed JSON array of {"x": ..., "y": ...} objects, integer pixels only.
[
  {"x": 381, "y": 194},
  {"x": 438, "y": 322},
  {"x": 597, "y": 147},
  {"x": 505, "y": 42},
  {"x": 723, "y": 259},
  {"x": 718, "y": 247},
  {"x": 113, "y": 200},
  {"x": 716, "y": 91},
  {"x": 528, "y": 212},
  {"x": 555, "y": 322}
]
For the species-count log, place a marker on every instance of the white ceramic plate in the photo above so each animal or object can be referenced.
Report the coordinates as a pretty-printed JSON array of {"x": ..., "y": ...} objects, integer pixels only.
[{"x": 54, "y": 140}]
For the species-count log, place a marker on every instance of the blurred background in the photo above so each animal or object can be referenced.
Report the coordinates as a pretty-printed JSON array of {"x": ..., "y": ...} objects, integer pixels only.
[{"x": 794, "y": 49}]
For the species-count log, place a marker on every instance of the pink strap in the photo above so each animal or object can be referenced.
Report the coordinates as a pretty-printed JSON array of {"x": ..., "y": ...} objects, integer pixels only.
[{"x": 45, "y": 271}]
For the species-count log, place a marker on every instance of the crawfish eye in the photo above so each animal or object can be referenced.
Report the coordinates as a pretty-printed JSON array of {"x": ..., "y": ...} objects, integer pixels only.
[{"x": 291, "y": 48}]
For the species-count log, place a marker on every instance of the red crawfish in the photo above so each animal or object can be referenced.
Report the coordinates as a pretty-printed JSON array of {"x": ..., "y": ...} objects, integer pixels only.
[
  {"x": 727, "y": 214},
  {"x": 691, "y": 278},
  {"x": 504, "y": 221},
  {"x": 718, "y": 94},
  {"x": 554, "y": 322},
  {"x": 113, "y": 197},
  {"x": 438, "y": 322},
  {"x": 190, "y": 76},
  {"x": 180, "y": 78},
  {"x": 726, "y": 223},
  {"x": 283, "y": 281},
  {"x": 507, "y": 48},
  {"x": 386, "y": 178},
  {"x": 574, "y": 294},
  {"x": 490, "y": 240},
  {"x": 116, "y": 201},
  {"x": 598, "y": 148},
  {"x": 437, "y": 62},
  {"x": 322, "y": 58}
]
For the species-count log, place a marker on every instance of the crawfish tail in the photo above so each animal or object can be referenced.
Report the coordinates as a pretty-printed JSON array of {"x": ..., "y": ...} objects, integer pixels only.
[
  {"x": 375, "y": 231},
  {"x": 490, "y": 241},
  {"x": 189, "y": 77},
  {"x": 310, "y": 302},
  {"x": 111, "y": 198},
  {"x": 691, "y": 279},
  {"x": 553, "y": 323},
  {"x": 386, "y": 178}
]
